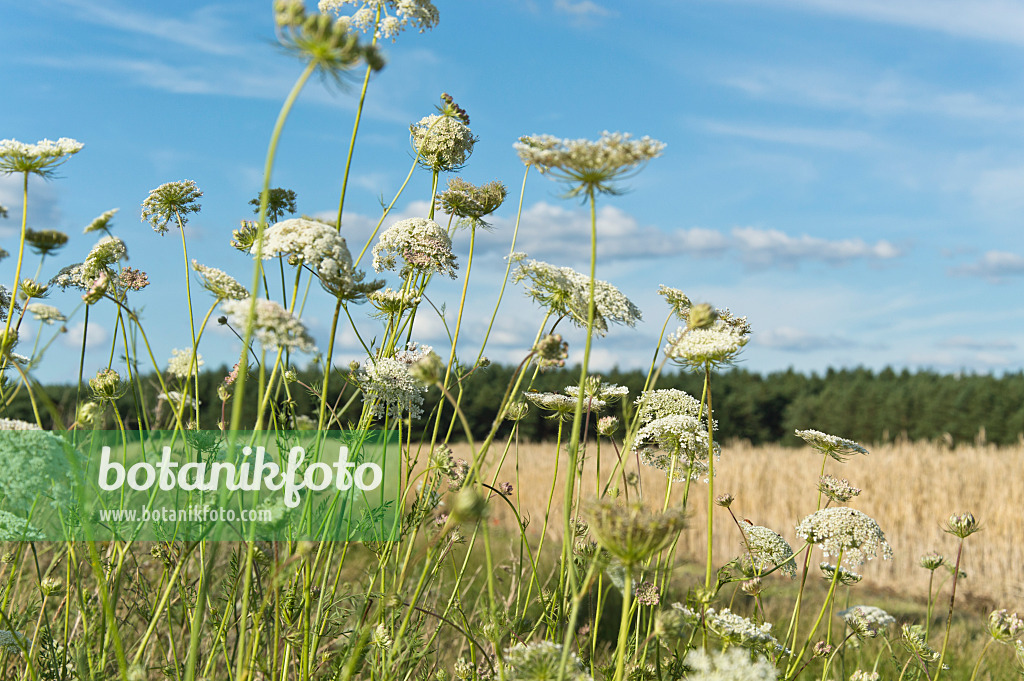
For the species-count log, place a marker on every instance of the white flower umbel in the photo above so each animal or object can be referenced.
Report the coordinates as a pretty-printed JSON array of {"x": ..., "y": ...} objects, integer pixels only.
[
  {"x": 676, "y": 444},
  {"x": 395, "y": 15},
  {"x": 868, "y": 615},
  {"x": 443, "y": 143},
  {"x": 41, "y": 158},
  {"x": 562, "y": 406},
  {"x": 542, "y": 661},
  {"x": 421, "y": 243},
  {"x": 588, "y": 165},
  {"x": 566, "y": 292},
  {"x": 767, "y": 547},
  {"x": 107, "y": 251},
  {"x": 656, "y": 404},
  {"x": 739, "y": 630},
  {"x": 307, "y": 242},
  {"x": 273, "y": 326},
  {"x": 171, "y": 200},
  {"x": 732, "y": 664},
  {"x": 181, "y": 366},
  {"x": 220, "y": 283},
  {"x": 47, "y": 314},
  {"x": 839, "y": 448},
  {"x": 716, "y": 344},
  {"x": 390, "y": 385},
  {"x": 845, "y": 530}
]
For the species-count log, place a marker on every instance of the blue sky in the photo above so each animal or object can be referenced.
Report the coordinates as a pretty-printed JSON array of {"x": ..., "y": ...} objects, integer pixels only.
[{"x": 850, "y": 176}]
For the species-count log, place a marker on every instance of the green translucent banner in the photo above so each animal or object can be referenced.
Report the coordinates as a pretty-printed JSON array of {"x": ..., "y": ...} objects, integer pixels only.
[{"x": 209, "y": 485}]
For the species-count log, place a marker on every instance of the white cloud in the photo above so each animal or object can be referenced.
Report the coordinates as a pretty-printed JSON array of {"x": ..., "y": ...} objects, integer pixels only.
[
  {"x": 994, "y": 266},
  {"x": 97, "y": 336},
  {"x": 772, "y": 247},
  {"x": 582, "y": 9}
]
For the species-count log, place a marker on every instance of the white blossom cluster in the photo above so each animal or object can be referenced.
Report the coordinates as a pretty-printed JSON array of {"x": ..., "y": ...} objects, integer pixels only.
[
  {"x": 395, "y": 15},
  {"x": 867, "y": 617},
  {"x": 588, "y": 163},
  {"x": 47, "y": 314},
  {"x": 542, "y": 661},
  {"x": 180, "y": 364},
  {"x": 35, "y": 468},
  {"x": 105, "y": 253},
  {"x": 676, "y": 444},
  {"x": 388, "y": 383},
  {"x": 274, "y": 326},
  {"x": 655, "y": 404},
  {"x": 845, "y": 530},
  {"x": 420, "y": 242},
  {"x": 564, "y": 291},
  {"x": 442, "y": 143},
  {"x": 39, "y": 158},
  {"x": 219, "y": 282},
  {"x": 16, "y": 528},
  {"x": 677, "y": 300},
  {"x": 597, "y": 389},
  {"x": 861, "y": 675},
  {"x": 839, "y": 448},
  {"x": 1004, "y": 626},
  {"x": 716, "y": 344},
  {"x": 563, "y": 406},
  {"x": 171, "y": 200},
  {"x": 767, "y": 547},
  {"x": 391, "y": 302},
  {"x": 837, "y": 490},
  {"x": 102, "y": 222},
  {"x": 742, "y": 631},
  {"x": 311, "y": 243},
  {"x": 13, "y": 641},
  {"x": 732, "y": 664}
]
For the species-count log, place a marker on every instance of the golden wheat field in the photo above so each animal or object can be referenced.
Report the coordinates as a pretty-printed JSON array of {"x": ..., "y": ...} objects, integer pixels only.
[{"x": 908, "y": 488}]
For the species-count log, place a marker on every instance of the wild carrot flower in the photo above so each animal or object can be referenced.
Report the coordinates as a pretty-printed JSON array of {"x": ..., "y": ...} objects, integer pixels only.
[
  {"x": 45, "y": 241},
  {"x": 606, "y": 425},
  {"x": 388, "y": 383},
  {"x": 677, "y": 300},
  {"x": 107, "y": 385},
  {"x": 861, "y": 675},
  {"x": 279, "y": 202},
  {"x": 171, "y": 200},
  {"x": 566, "y": 292},
  {"x": 676, "y": 444},
  {"x": 542, "y": 661},
  {"x": 327, "y": 44},
  {"x": 220, "y": 283},
  {"x": 307, "y": 242},
  {"x": 181, "y": 364},
  {"x": 102, "y": 223},
  {"x": 962, "y": 525},
  {"x": 587, "y": 165},
  {"x": 766, "y": 547},
  {"x": 15, "y": 528},
  {"x": 932, "y": 561},
  {"x": 837, "y": 490},
  {"x": 741, "y": 631},
  {"x": 914, "y": 639},
  {"x": 273, "y": 325},
  {"x": 846, "y": 577},
  {"x": 647, "y": 593},
  {"x": 731, "y": 664},
  {"x": 563, "y": 407},
  {"x": 465, "y": 200},
  {"x": 868, "y": 617},
  {"x": 35, "y": 467},
  {"x": 1003, "y": 626},
  {"x": 131, "y": 279},
  {"x": 107, "y": 251},
  {"x": 70, "y": 276},
  {"x": 595, "y": 388},
  {"x": 838, "y": 448},
  {"x": 390, "y": 302},
  {"x": 632, "y": 533},
  {"x": 420, "y": 242},
  {"x": 41, "y": 158},
  {"x": 716, "y": 344},
  {"x": 442, "y": 143},
  {"x": 551, "y": 351},
  {"x": 395, "y": 15},
  {"x": 47, "y": 314},
  {"x": 845, "y": 530},
  {"x": 656, "y": 404}
]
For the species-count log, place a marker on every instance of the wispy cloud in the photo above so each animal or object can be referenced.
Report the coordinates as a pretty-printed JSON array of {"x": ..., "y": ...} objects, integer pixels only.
[
  {"x": 206, "y": 29},
  {"x": 582, "y": 9},
  {"x": 790, "y": 339},
  {"x": 989, "y": 20},
  {"x": 560, "y": 235},
  {"x": 970, "y": 343},
  {"x": 838, "y": 139},
  {"x": 994, "y": 266}
]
